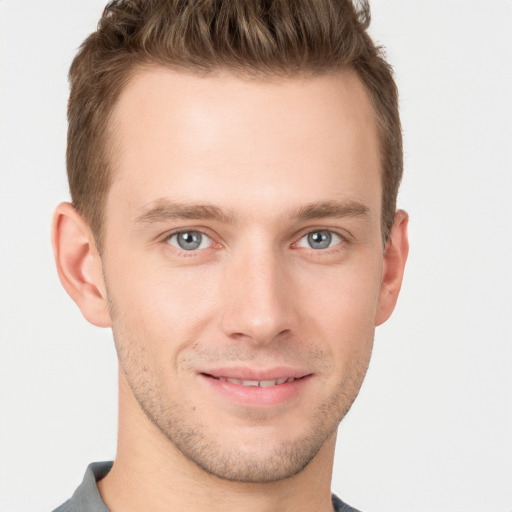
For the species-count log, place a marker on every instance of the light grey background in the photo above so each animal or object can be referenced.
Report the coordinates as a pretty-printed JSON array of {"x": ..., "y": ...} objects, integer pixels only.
[{"x": 431, "y": 430}]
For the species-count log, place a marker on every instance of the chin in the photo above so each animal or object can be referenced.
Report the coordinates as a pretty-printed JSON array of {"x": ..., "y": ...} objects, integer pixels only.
[{"x": 252, "y": 466}]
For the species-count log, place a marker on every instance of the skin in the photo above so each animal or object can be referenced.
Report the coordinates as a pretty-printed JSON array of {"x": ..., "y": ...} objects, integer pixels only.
[{"x": 255, "y": 170}]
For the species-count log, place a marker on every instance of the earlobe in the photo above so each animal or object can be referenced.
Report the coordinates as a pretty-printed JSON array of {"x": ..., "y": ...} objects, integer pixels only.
[
  {"x": 79, "y": 264},
  {"x": 395, "y": 256}
]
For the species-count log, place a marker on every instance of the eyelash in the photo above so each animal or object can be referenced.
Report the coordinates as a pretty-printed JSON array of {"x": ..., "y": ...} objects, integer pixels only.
[
  {"x": 343, "y": 240},
  {"x": 185, "y": 252},
  {"x": 332, "y": 234}
]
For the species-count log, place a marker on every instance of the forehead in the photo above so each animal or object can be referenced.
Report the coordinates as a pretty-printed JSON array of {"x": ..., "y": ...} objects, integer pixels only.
[{"x": 220, "y": 137}]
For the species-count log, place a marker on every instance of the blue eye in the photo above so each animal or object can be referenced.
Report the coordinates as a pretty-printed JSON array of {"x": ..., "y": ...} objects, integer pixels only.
[
  {"x": 189, "y": 240},
  {"x": 321, "y": 239}
]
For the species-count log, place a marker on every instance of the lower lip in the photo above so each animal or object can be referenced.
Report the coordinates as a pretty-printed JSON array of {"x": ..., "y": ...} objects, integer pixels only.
[{"x": 254, "y": 396}]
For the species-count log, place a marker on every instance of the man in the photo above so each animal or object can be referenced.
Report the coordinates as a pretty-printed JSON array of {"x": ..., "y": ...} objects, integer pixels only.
[{"x": 234, "y": 168}]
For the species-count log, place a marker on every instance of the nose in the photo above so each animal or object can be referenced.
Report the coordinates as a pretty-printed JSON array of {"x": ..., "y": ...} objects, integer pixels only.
[{"x": 258, "y": 298}]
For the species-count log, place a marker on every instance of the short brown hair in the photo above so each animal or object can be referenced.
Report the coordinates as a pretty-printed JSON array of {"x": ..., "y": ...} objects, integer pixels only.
[{"x": 261, "y": 37}]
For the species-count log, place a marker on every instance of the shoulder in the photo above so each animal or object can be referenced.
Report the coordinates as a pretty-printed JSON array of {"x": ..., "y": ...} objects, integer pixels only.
[
  {"x": 340, "y": 506},
  {"x": 66, "y": 507},
  {"x": 87, "y": 498}
]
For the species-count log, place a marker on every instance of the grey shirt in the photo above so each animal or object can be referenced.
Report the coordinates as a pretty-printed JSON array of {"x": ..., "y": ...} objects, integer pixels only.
[{"x": 87, "y": 497}]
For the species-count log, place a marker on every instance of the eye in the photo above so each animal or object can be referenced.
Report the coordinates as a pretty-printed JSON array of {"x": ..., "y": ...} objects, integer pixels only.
[
  {"x": 322, "y": 239},
  {"x": 189, "y": 240}
]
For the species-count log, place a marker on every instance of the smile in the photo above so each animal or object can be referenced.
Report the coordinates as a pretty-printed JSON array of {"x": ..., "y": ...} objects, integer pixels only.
[
  {"x": 256, "y": 388},
  {"x": 256, "y": 383},
  {"x": 256, "y": 391}
]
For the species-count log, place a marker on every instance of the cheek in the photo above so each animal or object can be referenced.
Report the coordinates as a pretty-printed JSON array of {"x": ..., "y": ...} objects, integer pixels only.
[
  {"x": 345, "y": 295},
  {"x": 340, "y": 307},
  {"x": 165, "y": 307}
]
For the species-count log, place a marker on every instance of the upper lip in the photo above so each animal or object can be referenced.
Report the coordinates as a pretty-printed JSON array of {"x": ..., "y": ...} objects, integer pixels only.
[{"x": 256, "y": 374}]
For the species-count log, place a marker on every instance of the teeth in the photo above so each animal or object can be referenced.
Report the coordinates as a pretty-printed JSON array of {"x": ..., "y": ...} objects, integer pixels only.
[
  {"x": 257, "y": 383},
  {"x": 254, "y": 383}
]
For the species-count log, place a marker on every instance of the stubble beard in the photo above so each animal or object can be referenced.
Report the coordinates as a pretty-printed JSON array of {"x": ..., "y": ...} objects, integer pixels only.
[
  {"x": 218, "y": 457},
  {"x": 237, "y": 463}
]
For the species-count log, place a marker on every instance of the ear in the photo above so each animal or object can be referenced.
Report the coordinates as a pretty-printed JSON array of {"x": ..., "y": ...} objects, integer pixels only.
[
  {"x": 395, "y": 256},
  {"x": 79, "y": 264}
]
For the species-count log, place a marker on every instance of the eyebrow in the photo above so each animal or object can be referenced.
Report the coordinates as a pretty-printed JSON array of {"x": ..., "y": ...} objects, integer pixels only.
[
  {"x": 335, "y": 209},
  {"x": 163, "y": 210}
]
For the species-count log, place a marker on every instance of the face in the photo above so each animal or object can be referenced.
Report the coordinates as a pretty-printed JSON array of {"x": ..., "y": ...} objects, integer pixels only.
[{"x": 243, "y": 262}]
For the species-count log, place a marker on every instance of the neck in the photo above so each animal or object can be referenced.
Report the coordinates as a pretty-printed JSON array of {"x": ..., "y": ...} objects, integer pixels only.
[{"x": 150, "y": 473}]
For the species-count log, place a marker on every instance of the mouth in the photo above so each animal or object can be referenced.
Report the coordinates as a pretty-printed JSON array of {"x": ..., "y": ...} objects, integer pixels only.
[
  {"x": 255, "y": 383},
  {"x": 256, "y": 389}
]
